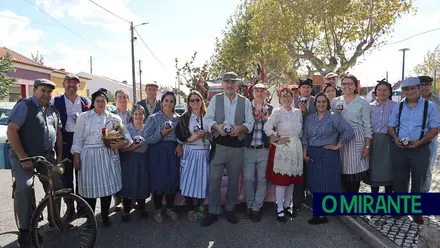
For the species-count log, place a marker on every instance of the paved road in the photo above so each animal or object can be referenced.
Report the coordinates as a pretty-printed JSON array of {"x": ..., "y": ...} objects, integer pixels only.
[{"x": 182, "y": 233}]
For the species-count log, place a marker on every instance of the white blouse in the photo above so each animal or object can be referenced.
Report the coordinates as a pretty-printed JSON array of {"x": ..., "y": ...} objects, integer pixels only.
[
  {"x": 88, "y": 130},
  {"x": 193, "y": 121},
  {"x": 286, "y": 123}
]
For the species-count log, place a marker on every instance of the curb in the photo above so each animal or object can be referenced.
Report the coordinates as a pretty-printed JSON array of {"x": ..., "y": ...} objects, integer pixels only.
[
  {"x": 356, "y": 225},
  {"x": 367, "y": 233}
]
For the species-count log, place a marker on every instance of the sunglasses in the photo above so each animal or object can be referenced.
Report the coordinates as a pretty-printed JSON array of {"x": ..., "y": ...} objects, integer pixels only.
[{"x": 194, "y": 100}]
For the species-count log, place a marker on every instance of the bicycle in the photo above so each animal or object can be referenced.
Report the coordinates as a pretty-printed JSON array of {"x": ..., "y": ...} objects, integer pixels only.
[{"x": 52, "y": 201}]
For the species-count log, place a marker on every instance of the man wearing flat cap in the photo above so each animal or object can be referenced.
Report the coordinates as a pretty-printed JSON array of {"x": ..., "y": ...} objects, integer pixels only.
[
  {"x": 332, "y": 79},
  {"x": 256, "y": 153},
  {"x": 229, "y": 117},
  {"x": 151, "y": 104},
  {"x": 33, "y": 128},
  {"x": 70, "y": 105},
  {"x": 426, "y": 93},
  {"x": 412, "y": 125},
  {"x": 306, "y": 103}
]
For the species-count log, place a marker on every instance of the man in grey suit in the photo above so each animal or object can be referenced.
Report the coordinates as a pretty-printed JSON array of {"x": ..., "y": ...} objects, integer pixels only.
[{"x": 306, "y": 103}]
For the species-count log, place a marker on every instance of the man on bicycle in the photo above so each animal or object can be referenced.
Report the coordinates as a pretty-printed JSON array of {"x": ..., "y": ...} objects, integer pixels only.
[{"x": 34, "y": 127}]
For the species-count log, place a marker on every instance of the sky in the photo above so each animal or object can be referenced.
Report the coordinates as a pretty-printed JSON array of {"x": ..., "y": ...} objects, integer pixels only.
[{"x": 176, "y": 29}]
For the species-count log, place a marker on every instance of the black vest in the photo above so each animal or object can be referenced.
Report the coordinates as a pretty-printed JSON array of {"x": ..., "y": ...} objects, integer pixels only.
[{"x": 32, "y": 131}]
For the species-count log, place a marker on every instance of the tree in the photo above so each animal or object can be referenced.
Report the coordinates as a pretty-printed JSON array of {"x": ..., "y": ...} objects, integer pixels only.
[
  {"x": 38, "y": 57},
  {"x": 111, "y": 96},
  {"x": 322, "y": 36},
  {"x": 5, "y": 81},
  {"x": 430, "y": 63},
  {"x": 191, "y": 76},
  {"x": 176, "y": 91}
]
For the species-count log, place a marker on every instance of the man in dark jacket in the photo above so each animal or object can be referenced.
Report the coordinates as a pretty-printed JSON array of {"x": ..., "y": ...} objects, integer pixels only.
[{"x": 151, "y": 104}]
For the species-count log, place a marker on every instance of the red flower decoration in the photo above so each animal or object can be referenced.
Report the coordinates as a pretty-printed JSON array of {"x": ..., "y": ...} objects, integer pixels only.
[
  {"x": 86, "y": 107},
  {"x": 103, "y": 131}
]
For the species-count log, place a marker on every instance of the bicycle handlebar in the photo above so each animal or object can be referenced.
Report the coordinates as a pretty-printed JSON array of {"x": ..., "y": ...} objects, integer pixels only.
[{"x": 57, "y": 168}]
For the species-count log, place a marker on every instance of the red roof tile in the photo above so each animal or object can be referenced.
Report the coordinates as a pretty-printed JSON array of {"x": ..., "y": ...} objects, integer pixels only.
[{"x": 21, "y": 59}]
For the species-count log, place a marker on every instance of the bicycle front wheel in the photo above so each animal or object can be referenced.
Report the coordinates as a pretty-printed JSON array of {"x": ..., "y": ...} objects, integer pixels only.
[{"x": 61, "y": 228}]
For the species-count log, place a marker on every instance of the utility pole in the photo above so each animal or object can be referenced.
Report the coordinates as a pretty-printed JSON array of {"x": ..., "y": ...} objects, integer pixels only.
[
  {"x": 91, "y": 71},
  {"x": 140, "y": 81},
  {"x": 387, "y": 76},
  {"x": 403, "y": 62},
  {"x": 132, "y": 62}
]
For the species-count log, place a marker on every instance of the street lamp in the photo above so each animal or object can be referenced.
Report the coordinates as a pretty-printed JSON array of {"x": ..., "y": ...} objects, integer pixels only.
[
  {"x": 132, "y": 58},
  {"x": 403, "y": 50}
]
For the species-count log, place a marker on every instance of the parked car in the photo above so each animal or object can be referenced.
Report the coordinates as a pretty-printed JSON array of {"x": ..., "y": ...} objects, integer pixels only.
[
  {"x": 180, "y": 109},
  {"x": 5, "y": 111},
  {"x": 111, "y": 108}
]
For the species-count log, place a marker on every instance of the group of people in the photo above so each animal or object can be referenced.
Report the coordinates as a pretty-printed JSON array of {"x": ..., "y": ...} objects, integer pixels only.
[{"x": 329, "y": 142}]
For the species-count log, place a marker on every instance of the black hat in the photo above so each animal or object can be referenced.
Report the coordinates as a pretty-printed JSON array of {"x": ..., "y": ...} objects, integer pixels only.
[
  {"x": 307, "y": 81},
  {"x": 43, "y": 81},
  {"x": 426, "y": 79}
]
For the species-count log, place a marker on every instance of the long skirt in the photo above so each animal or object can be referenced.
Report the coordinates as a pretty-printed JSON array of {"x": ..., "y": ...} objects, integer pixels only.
[
  {"x": 354, "y": 169},
  {"x": 324, "y": 172},
  {"x": 135, "y": 183},
  {"x": 163, "y": 167},
  {"x": 100, "y": 172},
  {"x": 194, "y": 171},
  {"x": 381, "y": 172},
  {"x": 284, "y": 179}
]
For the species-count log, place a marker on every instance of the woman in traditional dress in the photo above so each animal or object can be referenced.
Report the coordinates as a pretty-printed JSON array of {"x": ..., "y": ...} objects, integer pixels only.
[
  {"x": 354, "y": 155},
  {"x": 99, "y": 167},
  {"x": 285, "y": 162},
  {"x": 324, "y": 134},
  {"x": 194, "y": 166},
  {"x": 330, "y": 91},
  {"x": 381, "y": 173},
  {"x": 134, "y": 166},
  {"x": 163, "y": 156}
]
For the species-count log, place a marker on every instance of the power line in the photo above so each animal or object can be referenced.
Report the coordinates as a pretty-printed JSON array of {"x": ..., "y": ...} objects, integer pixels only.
[
  {"x": 412, "y": 36},
  {"x": 109, "y": 11},
  {"x": 150, "y": 50},
  {"x": 62, "y": 24},
  {"x": 29, "y": 21}
]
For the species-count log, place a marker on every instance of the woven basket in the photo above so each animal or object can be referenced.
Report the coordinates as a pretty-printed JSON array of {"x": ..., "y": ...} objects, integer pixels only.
[{"x": 108, "y": 140}]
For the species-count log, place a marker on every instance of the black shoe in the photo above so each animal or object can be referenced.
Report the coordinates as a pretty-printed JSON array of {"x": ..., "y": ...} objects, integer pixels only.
[
  {"x": 125, "y": 217},
  {"x": 24, "y": 239},
  {"x": 256, "y": 216},
  {"x": 248, "y": 214},
  {"x": 317, "y": 220},
  {"x": 296, "y": 208},
  {"x": 208, "y": 220},
  {"x": 289, "y": 212},
  {"x": 40, "y": 238},
  {"x": 281, "y": 218},
  {"x": 231, "y": 217}
]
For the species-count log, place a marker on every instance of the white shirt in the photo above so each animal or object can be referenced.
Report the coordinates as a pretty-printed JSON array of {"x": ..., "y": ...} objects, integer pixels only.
[
  {"x": 71, "y": 108},
  {"x": 286, "y": 123},
  {"x": 89, "y": 130},
  {"x": 192, "y": 123},
  {"x": 230, "y": 107}
]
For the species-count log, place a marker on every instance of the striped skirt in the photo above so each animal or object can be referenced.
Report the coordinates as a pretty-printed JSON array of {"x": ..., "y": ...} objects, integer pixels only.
[
  {"x": 163, "y": 167},
  {"x": 194, "y": 171},
  {"x": 354, "y": 169},
  {"x": 100, "y": 172},
  {"x": 135, "y": 183},
  {"x": 324, "y": 172}
]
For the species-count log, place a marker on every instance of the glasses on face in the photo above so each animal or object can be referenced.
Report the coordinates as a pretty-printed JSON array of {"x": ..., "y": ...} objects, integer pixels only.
[
  {"x": 194, "y": 100},
  {"x": 347, "y": 84}
]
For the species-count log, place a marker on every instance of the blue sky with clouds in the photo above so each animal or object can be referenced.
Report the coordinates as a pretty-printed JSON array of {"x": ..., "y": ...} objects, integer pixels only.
[{"x": 177, "y": 28}]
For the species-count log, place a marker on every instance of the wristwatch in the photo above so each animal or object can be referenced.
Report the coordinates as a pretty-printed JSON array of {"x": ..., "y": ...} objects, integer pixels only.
[{"x": 368, "y": 147}]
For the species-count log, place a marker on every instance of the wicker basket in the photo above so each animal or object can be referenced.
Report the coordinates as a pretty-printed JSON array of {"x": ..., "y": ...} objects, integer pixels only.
[{"x": 108, "y": 140}]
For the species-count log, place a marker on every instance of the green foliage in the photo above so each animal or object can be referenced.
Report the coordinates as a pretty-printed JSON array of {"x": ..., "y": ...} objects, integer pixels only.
[
  {"x": 430, "y": 63},
  {"x": 5, "y": 68}
]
